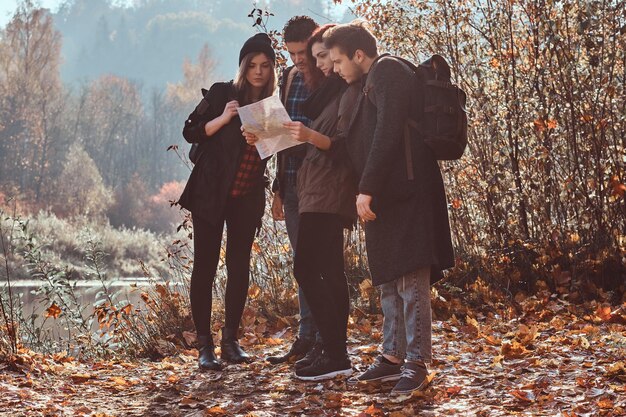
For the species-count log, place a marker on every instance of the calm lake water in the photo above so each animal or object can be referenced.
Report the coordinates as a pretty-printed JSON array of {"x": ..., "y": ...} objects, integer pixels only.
[
  {"x": 85, "y": 290},
  {"x": 86, "y": 293}
]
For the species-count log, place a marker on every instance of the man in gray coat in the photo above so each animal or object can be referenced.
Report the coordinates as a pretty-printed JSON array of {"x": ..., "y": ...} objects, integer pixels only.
[{"x": 406, "y": 220}]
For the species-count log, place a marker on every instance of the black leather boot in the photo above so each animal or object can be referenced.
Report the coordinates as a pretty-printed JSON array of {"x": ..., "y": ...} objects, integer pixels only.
[
  {"x": 231, "y": 351},
  {"x": 311, "y": 356},
  {"x": 206, "y": 354},
  {"x": 299, "y": 348}
]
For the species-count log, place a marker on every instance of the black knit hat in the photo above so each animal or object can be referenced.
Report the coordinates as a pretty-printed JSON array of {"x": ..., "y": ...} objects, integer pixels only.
[{"x": 258, "y": 43}]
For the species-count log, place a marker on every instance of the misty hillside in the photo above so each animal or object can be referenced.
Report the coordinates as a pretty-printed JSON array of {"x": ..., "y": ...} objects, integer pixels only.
[{"x": 148, "y": 42}]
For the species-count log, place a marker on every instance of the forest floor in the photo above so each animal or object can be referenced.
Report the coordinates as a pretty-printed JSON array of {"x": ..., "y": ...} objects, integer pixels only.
[{"x": 540, "y": 356}]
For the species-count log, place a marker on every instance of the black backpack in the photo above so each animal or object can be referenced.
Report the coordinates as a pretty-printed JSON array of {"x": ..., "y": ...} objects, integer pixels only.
[
  {"x": 201, "y": 108},
  {"x": 198, "y": 115},
  {"x": 441, "y": 119}
]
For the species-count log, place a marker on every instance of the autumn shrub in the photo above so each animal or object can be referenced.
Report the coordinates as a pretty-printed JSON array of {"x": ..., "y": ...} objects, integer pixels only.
[
  {"x": 4, "y": 345},
  {"x": 539, "y": 193},
  {"x": 9, "y": 313},
  {"x": 150, "y": 325},
  {"x": 14, "y": 201},
  {"x": 62, "y": 242},
  {"x": 130, "y": 204},
  {"x": 163, "y": 214},
  {"x": 126, "y": 248},
  {"x": 80, "y": 188},
  {"x": 156, "y": 327},
  {"x": 56, "y": 293},
  {"x": 134, "y": 207}
]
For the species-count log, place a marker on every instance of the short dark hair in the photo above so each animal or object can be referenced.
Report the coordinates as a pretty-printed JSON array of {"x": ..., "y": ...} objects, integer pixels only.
[
  {"x": 349, "y": 37},
  {"x": 299, "y": 29}
]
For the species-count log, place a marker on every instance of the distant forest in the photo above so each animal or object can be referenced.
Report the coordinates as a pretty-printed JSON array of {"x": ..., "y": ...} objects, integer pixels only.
[
  {"x": 93, "y": 95},
  {"x": 148, "y": 42}
]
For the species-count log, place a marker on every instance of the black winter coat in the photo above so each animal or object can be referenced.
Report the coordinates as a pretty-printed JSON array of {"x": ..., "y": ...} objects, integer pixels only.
[
  {"x": 212, "y": 176},
  {"x": 411, "y": 229}
]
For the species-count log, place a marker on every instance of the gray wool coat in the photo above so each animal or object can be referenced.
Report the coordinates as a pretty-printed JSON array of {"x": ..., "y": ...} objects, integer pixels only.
[{"x": 411, "y": 229}]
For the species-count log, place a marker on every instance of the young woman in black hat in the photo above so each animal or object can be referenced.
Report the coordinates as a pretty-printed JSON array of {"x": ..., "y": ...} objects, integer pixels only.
[{"x": 226, "y": 185}]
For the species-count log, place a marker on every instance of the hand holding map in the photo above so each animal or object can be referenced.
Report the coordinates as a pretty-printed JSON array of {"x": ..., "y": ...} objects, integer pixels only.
[{"x": 265, "y": 119}]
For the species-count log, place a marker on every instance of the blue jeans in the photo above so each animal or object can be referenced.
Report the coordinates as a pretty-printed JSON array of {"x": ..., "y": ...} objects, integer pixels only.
[
  {"x": 407, "y": 324},
  {"x": 307, "y": 330}
]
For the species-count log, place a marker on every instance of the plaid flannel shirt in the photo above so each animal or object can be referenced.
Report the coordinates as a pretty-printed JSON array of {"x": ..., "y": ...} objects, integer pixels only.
[
  {"x": 249, "y": 173},
  {"x": 298, "y": 93}
]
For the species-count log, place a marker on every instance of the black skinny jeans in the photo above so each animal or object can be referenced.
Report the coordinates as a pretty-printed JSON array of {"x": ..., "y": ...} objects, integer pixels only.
[
  {"x": 319, "y": 270},
  {"x": 242, "y": 217}
]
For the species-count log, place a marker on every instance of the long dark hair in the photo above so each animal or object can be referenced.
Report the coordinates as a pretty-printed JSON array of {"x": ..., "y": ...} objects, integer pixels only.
[{"x": 316, "y": 37}]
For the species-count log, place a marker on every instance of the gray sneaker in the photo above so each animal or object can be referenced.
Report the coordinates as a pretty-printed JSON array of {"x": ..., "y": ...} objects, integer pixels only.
[
  {"x": 413, "y": 378},
  {"x": 379, "y": 371}
]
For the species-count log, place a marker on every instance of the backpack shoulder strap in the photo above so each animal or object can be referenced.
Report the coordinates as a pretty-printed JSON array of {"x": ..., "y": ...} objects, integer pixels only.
[
  {"x": 287, "y": 85},
  {"x": 368, "y": 91},
  {"x": 369, "y": 85}
]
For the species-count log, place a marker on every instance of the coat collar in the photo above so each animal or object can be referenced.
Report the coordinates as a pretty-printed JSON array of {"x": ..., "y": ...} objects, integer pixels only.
[
  {"x": 378, "y": 58},
  {"x": 362, "y": 95}
]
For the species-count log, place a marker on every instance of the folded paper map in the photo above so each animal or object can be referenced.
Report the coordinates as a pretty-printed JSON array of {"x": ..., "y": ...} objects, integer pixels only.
[{"x": 265, "y": 119}]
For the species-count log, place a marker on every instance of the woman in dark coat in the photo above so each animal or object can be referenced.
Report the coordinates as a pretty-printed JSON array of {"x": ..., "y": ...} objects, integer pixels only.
[{"x": 227, "y": 185}]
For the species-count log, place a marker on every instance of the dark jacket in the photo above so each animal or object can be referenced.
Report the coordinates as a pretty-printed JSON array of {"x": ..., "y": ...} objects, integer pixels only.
[
  {"x": 212, "y": 176},
  {"x": 411, "y": 229},
  {"x": 326, "y": 181}
]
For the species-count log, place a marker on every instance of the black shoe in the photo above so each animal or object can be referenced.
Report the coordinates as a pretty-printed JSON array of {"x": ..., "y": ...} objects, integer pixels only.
[
  {"x": 299, "y": 348},
  {"x": 206, "y": 354},
  {"x": 231, "y": 351},
  {"x": 414, "y": 378},
  {"x": 325, "y": 367},
  {"x": 314, "y": 353}
]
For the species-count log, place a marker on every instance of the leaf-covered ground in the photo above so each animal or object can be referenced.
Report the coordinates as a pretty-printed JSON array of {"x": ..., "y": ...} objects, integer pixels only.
[{"x": 551, "y": 359}]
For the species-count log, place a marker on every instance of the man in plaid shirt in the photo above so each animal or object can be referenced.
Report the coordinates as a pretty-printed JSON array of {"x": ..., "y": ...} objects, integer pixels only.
[
  {"x": 298, "y": 93},
  {"x": 293, "y": 91}
]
